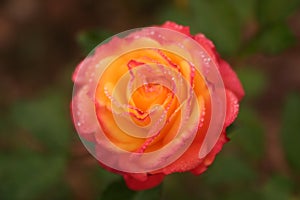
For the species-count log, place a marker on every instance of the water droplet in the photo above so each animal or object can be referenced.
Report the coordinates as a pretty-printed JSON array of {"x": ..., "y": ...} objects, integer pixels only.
[
  {"x": 206, "y": 61},
  {"x": 180, "y": 45}
]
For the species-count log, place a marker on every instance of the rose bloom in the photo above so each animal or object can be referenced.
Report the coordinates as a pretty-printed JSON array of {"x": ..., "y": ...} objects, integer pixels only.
[{"x": 94, "y": 101}]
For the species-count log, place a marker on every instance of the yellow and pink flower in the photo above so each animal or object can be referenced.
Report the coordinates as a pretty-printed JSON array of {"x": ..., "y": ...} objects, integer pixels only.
[{"x": 155, "y": 101}]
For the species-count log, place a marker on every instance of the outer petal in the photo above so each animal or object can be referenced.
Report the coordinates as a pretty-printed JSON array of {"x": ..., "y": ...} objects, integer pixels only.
[
  {"x": 138, "y": 181},
  {"x": 85, "y": 65},
  {"x": 83, "y": 109},
  {"x": 208, "y": 45},
  {"x": 231, "y": 80},
  {"x": 151, "y": 181},
  {"x": 176, "y": 27},
  {"x": 189, "y": 160},
  {"x": 208, "y": 160},
  {"x": 232, "y": 108}
]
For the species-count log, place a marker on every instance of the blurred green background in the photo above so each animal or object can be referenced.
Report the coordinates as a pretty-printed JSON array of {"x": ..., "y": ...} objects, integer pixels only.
[{"x": 41, "y": 42}]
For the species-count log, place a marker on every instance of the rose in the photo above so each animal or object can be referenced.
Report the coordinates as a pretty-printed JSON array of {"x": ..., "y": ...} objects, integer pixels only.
[{"x": 154, "y": 102}]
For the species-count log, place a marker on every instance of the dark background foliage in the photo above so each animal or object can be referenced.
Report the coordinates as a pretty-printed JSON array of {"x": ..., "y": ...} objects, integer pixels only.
[{"x": 41, "y": 42}]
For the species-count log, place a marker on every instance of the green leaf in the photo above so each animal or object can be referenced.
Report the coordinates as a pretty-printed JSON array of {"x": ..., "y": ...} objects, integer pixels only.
[
  {"x": 244, "y": 194},
  {"x": 28, "y": 175},
  {"x": 6, "y": 127},
  {"x": 60, "y": 190},
  {"x": 277, "y": 188},
  {"x": 172, "y": 13},
  {"x": 46, "y": 118},
  {"x": 118, "y": 190},
  {"x": 154, "y": 193},
  {"x": 219, "y": 21},
  {"x": 290, "y": 133},
  {"x": 246, "y": 9},
  {"x": 229, "y": 170},
  {"x": 249, "y": 133},
  {"x": 88, "y": 40},
  {"x": 253, "y": 80},
  {"x": 174, "y": 187},
  {"x": 271, "y": 11},
  {"x": 274, "y": 39},
  {"x": 101, "y": 178}
]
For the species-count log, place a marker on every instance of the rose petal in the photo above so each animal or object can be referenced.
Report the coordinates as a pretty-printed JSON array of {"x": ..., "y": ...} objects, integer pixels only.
[
  {"x": 152, "y": 180},
  {"x": 232, "y": 107},
  {"x": 85, "y": 66},
  {"x": 84, "y": 113},
  {"x": 208, "y": 160},
  {"x": 208, "y": 45},
  {"x": 189, "y": 160},
  {"x": 231, "y": 80},
  {"x": 176, "y": 27}
]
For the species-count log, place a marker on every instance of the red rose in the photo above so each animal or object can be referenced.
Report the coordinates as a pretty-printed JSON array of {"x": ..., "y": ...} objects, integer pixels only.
[{"x": 155, "y": 102}]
